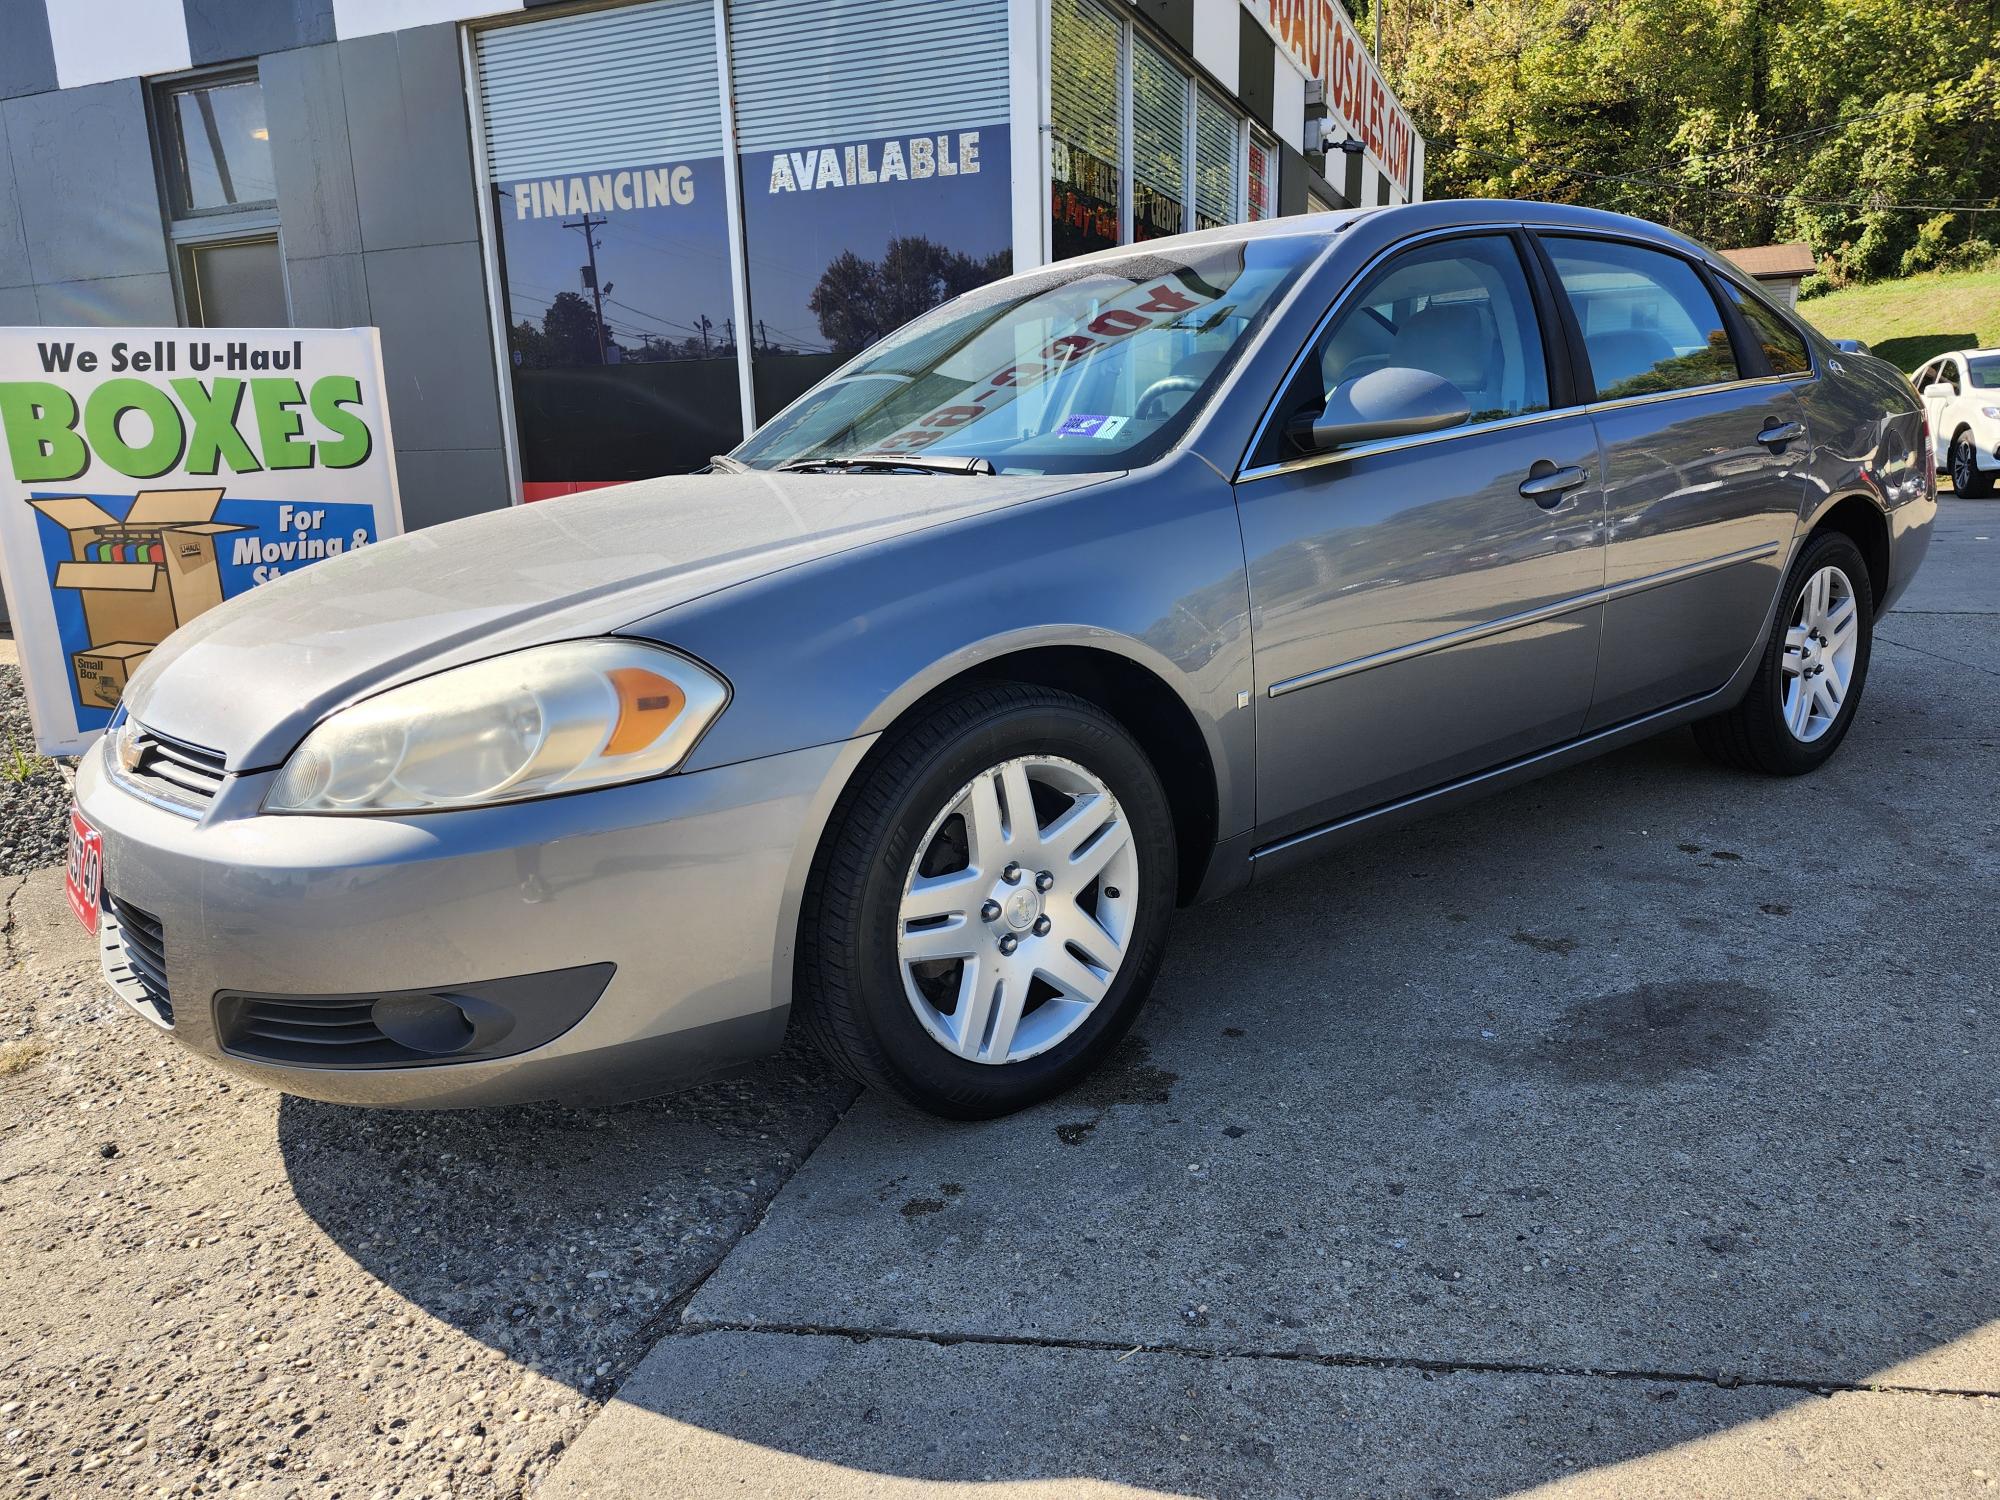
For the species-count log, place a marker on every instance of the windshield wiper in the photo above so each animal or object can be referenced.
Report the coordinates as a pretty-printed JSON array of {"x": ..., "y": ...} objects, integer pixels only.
[
  {"x": 917, "y": 463},
  {"x": 723, "y": 463}
]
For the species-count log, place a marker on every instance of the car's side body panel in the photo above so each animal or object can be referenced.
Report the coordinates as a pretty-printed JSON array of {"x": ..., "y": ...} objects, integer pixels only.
[
  {"x": 1700, "y": 515},
  {"x": 1416, "y": 617}
]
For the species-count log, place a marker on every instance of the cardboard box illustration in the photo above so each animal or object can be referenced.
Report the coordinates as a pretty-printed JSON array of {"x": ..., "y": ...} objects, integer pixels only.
[
  {"x": 140, "y": 578},
  {"x": 101, "y": 675}
]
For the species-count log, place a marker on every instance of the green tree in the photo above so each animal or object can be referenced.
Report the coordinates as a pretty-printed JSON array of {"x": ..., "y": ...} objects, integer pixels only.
[{"x": 1852, "y": 124}]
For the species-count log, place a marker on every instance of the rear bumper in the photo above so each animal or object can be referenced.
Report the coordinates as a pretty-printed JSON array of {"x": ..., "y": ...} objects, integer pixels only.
[{"x": 687, "y": 886}]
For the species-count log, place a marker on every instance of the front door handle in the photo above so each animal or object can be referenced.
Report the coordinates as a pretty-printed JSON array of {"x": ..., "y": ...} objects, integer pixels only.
[
  {"x": 1781, "y": 433},
  {"x": 1546, "y": 484}
]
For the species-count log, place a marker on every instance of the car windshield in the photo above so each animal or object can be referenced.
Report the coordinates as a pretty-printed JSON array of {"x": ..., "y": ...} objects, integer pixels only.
[
  {"x": 1985, "y": 372},
  {"x": 1077, "y": 368}
]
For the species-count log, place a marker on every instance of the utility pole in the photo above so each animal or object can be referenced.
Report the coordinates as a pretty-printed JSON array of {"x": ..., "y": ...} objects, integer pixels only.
[
  {"x": 702, "y": 322},
  {"x": 589, "y": 227}
]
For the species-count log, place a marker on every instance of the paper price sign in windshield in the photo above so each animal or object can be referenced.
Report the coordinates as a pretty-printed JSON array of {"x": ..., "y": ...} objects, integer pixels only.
[
  {"x": 1156, "y": 303},
  {"x": 148, "y": 475}
]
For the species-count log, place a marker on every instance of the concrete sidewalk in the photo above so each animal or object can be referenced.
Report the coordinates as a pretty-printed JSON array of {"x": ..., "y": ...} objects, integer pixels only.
[{"x": 1632, "y": 1133}]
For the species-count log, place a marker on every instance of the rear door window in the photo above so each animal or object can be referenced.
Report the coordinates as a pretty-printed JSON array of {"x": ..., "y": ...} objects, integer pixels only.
[{"x": 1649, "y": 323}]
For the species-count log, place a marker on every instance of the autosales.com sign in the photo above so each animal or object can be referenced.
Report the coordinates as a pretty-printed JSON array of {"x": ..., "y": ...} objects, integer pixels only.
[{"x": 146, "y": 475}]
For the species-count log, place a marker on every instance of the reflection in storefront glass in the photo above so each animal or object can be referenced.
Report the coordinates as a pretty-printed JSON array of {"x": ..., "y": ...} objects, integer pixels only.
[
  {"x": 1084, "y": 136},
  {"x": 619, "y": 322},
  {"x": 848, "y": 241},
  {"x": 1159, "y": 144}
]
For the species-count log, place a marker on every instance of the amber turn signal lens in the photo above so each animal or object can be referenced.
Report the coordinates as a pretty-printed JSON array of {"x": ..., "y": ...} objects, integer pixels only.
[{"x": 647, "y": 704}]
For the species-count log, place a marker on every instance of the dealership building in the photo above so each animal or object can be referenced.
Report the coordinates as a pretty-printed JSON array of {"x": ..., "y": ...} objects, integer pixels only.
[{"x": 603, "y": 241}]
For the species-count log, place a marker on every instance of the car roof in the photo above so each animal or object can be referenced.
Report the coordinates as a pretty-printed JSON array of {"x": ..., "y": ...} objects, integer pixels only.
[{"x": 1410, "y": 218}]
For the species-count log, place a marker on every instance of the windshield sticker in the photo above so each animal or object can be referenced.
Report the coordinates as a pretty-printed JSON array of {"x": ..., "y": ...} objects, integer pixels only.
[{"x": 1081, "y": 426}]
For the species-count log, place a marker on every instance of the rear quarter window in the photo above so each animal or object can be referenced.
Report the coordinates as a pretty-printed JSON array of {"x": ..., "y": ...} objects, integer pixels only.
[{"x": 1784, "y": 347}]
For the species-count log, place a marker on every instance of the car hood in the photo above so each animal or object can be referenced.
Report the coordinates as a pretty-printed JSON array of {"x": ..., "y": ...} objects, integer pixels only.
[{"x": 251, "y": 676}]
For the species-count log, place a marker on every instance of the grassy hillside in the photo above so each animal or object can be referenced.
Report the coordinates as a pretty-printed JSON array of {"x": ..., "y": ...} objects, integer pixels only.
[{"x": 1908, "y": 321}]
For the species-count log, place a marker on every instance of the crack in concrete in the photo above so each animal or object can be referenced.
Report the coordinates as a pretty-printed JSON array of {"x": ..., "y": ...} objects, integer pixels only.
[
  {"x": 1721, "y": 1380},
  {"x": 7, "y": 922},
  {"x": 1936, "y": 655}
]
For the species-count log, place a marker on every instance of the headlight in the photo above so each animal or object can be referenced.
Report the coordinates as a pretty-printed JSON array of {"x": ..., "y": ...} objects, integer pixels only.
[
  {"x": 549, "y": 719},
  {"x": 1992, "y": 412}
]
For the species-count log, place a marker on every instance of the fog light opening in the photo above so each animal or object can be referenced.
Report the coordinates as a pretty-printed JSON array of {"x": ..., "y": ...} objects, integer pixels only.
[{"x": 431, "y": 1024}]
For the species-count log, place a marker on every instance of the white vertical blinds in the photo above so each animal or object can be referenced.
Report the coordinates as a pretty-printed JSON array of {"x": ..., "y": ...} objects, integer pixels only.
[
  {"x": 810, "y": 71},
  {"x": 1083, "y": 77},
  {"x": 1217, "y": 144},
  {"x": 611, "y": 88},
  {"x": 1159, "y": 121}
]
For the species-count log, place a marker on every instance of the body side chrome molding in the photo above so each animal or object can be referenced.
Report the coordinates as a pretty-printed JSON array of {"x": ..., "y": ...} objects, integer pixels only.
[{"x": 1525, "y": 618}]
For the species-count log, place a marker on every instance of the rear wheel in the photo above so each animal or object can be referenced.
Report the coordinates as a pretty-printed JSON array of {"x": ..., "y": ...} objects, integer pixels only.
[
  {"x": 1808, "y": 686},
  {"x": 989, "y": 910},
  {"x": 1967, "y": 478}
]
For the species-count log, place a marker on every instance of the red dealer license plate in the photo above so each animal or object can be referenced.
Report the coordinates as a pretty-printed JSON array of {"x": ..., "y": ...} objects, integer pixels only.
[{"x": 85, "y": 878}]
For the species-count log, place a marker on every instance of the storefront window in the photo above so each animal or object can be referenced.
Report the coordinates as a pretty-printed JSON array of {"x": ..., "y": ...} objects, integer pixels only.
[
  {"x": 1263, "y": 186},
  {"x": 610, "y": 205},
  {"x": 1218, "y": 136},
  {"x": 1159, "y": 143},
  {"x": 878, "y": 190},
  {"x": 1086, "y": 181}
]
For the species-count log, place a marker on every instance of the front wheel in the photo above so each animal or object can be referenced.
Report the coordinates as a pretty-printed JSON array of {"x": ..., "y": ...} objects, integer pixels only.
[
  {"x": 1968, "y": 480},
  {"x": 1808, "y": 686},
  {"x": 990, "y": 906}
]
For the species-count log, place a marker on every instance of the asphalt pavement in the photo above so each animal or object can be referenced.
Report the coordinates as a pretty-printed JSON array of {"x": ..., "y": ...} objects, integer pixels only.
[{"x": 1635, "y": 1132}]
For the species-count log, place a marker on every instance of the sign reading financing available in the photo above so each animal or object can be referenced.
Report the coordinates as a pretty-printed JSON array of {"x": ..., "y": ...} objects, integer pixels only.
[{"x": 148, "y": 474}]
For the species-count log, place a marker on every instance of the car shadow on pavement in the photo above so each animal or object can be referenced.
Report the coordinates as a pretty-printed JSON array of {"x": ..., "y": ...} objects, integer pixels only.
[
  {"x": 560, "y": 1237},
  {"x": 1602, "y": 1117}
]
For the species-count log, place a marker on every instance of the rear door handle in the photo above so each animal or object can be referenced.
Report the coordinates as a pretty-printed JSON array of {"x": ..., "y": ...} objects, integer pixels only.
[
  {"x": 1546, "y": 484},
  {"x": 1782, "y": 433}
]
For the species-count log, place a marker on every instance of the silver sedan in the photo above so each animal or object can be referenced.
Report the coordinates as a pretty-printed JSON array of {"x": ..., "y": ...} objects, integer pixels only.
[{"x": 1108, "y": 587}]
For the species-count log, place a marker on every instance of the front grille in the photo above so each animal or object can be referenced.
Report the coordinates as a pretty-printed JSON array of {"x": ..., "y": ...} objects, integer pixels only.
[
  {"x": 185, "y": 775},
  {"x": 135, "y": 958}
]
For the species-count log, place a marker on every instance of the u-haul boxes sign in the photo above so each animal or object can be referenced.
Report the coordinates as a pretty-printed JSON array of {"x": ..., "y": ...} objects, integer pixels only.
[
  {"x": 1319, "y": 37},
  {"x": 147, "y": 475}
]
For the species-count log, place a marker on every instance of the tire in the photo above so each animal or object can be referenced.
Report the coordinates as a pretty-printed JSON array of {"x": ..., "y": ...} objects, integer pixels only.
[
  {"x": 1762, "y": 732},
  {"x": 928, "y": 1032},
  {"x": 1968, "y": 480}
]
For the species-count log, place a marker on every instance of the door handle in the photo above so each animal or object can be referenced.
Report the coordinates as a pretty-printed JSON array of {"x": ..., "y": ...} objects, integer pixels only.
[
  {"x": 1546, "y": 484},
  {"x": 1780, "y": 433}
]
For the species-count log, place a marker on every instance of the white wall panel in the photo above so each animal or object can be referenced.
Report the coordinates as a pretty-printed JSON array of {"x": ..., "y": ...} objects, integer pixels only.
[
  {"x": 367, "y": 17},
  {"x": 96, "y": 41},
  {"x": 1288, "y": 102},
  {"x": 1218, "y": 34}
]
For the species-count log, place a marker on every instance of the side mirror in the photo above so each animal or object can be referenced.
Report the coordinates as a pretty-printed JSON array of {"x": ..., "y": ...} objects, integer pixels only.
[
  {"x": 1388, "y": 403},
  {"x": 1937, "y": 390}
]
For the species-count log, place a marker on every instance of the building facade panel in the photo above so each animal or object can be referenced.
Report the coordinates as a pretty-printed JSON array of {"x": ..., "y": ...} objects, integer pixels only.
[
  {"x": 224, "y": 30},
  {"x": 28, "y": 60},
  {"x": 84, "y": 186}
]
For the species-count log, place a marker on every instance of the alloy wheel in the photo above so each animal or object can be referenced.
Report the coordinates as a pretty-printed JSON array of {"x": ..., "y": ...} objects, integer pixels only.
[
  {"x": 1018, "y": 909},
  {"x": 1820, "y": 648},
  {"x": 1961, "y": 465}
]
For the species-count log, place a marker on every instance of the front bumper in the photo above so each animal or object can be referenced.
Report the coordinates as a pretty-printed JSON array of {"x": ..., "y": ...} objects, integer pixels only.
[{"x": 688, "y": 885}]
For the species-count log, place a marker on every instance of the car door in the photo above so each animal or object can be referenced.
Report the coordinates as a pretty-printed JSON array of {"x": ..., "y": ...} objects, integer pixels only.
[
  {"x": 1422, "y": 607},
  {"x": 1937, "y": 387},
  {"x": 1706, "y": 466}
]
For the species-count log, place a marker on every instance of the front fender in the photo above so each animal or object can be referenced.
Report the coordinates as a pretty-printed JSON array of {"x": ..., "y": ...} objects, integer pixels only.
[{"x": 1147, "y": 567}]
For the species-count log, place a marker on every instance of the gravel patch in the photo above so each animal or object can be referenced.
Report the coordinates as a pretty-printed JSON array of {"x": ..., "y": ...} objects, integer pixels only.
[
  {"x": 206, "y": 1287},
  {"x": 34, "y": 790}
]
